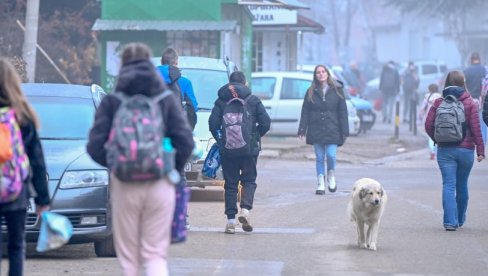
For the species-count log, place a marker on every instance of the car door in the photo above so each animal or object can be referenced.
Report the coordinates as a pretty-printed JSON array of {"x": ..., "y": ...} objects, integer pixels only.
[
  {"x": 264, "y": 88},
  {"x": 288, "y": 110}
]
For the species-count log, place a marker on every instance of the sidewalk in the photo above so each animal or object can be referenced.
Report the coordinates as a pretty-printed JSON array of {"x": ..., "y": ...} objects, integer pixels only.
[{"x": 376, "y": 146}]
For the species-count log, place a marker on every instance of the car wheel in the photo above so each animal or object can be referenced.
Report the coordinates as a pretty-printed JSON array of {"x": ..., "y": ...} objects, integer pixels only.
[{"x": 105, "y": 248}]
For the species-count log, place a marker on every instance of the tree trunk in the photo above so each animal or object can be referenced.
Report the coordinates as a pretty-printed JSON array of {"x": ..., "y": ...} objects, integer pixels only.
[{"x": 30, "y": 38}]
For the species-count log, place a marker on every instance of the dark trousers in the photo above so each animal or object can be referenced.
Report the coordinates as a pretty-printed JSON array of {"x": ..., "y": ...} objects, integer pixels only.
[
  {"x": 237, "y": 169},
  {"x": 16, "y": 241}
]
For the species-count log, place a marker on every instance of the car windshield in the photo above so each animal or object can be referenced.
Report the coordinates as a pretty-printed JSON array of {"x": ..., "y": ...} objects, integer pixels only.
[
  {"x": 206, "y": 84},
  {"x": 64, "y": 118}
]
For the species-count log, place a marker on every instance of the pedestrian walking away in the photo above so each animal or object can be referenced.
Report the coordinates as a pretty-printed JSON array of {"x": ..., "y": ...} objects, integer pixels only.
[
  {"x": 179, "y": 84},
  {"x": 237, "y": 122},
  {"x": 410, "y": 84},
  {"x": 324, "y": 123},
  {"x": 455, "y": 159},
  {"x": 183, "y": 87},
  {"x": 427, "y": 103},
  {"x": 475, "y": 73},
  {"x": 142, "y": 196},
  {"x": 22, "y": 165},
  {"x": 389, "y": 87}
]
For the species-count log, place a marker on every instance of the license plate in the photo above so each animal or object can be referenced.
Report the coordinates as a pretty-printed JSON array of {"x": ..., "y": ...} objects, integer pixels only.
[
  {"x": 367, "y": 118},
  {"x": 31, "y": 208},
  {"x": 188, "y": 167}
]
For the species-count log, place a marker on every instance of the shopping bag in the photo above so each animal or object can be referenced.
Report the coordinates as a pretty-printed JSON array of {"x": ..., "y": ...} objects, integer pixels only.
[
  {"x": 212, "y": 162},
  {"x": 55, "y": 231},
  {"x": 178, "y": 227}
]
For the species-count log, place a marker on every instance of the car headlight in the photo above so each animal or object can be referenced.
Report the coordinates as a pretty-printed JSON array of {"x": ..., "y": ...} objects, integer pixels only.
[{"x": 82, "y": 179}]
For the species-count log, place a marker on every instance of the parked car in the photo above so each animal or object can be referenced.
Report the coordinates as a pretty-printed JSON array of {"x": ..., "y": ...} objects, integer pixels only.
[
  {"x": 364, "y": 108},
  {"x": 207, "y": 76},
  {"x": 282, "y": 95},
  {"x": 78, "y": 186}
]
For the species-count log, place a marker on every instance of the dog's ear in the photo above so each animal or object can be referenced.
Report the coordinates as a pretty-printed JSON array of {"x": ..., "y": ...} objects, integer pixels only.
[
  {"x": 363, "y": 193},
  {"x": 382, "y": 191}
]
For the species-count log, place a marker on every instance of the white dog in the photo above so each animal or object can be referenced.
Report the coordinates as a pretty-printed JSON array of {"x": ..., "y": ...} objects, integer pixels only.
[{"x": 366, "y": 207}]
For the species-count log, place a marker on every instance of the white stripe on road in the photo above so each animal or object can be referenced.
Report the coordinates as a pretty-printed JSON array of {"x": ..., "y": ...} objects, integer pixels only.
[
  {"x": 258, "y": 230},
  {"x": 194, "y": 266}
]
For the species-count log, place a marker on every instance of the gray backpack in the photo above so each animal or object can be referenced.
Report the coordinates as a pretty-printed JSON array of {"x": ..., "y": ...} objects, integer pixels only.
[
  {"x": 449, "y": 121},
  {"x": 134, "y": 148}
]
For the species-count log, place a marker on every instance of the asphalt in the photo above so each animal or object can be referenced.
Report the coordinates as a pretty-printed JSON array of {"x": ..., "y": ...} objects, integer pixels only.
[{"x": 378, "y": 146}]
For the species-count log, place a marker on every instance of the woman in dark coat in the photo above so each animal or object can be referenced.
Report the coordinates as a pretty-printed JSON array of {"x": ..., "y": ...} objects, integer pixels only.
[{"x": 325, "y": 124}]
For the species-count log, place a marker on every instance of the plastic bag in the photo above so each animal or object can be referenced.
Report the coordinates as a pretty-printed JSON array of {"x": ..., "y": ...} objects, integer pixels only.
[
  {"x": 55, "y": 231},
  {"x": 212, "y": 162}
]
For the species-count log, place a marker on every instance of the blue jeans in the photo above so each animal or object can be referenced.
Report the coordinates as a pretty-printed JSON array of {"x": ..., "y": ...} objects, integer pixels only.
[
  {"x": 322, "y": 151},
  {"x": 455, "y": 165},
  {"x": 16, "y": 241}
]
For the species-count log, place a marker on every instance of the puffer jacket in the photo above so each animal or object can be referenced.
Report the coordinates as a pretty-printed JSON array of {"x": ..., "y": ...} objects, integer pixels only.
[
  {"x": 324, "y": 120},
  {"x": 473, "y": 136},
  {"x": 261, "y": 120},
  {"x": 141, "y": 77}
]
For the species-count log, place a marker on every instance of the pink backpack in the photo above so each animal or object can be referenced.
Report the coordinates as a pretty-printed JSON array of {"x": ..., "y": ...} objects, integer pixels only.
[{"x": 16, "y": 170}]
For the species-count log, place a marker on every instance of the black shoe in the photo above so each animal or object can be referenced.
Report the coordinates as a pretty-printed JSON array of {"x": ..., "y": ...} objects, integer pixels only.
[{"x": 320, "y": 192}]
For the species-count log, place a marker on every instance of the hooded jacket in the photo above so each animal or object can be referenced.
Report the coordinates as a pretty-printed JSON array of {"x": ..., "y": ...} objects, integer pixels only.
[
  {"x": 260, "y": 117},
  {"x": 179, "y": 84},
  {"x": 324, "y": 119},
  {"x": 473, "y": 132},
  {"x": 140, "y": 77}
]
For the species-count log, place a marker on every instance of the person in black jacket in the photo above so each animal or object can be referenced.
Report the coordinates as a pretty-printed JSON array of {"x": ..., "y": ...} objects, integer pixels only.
[
  {"x": 141, "y": 212},
  {"x": 242, "y": 168},
  {"x": 389, "y": 87},
  {"x": 14, "y": 212},
  {"x": 325, "y": 124},
  {"x": 474, "y": 74}
]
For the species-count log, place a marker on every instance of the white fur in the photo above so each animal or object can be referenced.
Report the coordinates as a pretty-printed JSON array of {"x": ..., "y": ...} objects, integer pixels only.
[{"x": 366, "y": 207}]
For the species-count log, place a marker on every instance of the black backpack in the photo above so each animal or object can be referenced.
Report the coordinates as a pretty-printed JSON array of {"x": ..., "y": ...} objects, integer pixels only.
[
  {"x": 191, "y": 114},
  {"x": 237, "y": 127}
]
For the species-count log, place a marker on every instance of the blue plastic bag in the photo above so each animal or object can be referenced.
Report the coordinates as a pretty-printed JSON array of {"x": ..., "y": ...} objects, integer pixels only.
[
  {"x": 55, "y": 231},
  {"x": 212, "y": 162}
]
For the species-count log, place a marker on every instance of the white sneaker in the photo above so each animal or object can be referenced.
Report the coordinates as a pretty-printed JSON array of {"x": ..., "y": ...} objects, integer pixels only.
[
  {"x": 331, "y": 181},
  {"x": 244, "y": 219},
  {"x": 321, "y": 185},
  {"x": 230, "y": 228}
]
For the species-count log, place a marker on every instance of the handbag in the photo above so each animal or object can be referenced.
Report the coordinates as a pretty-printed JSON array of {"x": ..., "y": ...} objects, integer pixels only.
[{"x": 178, "y": 226}]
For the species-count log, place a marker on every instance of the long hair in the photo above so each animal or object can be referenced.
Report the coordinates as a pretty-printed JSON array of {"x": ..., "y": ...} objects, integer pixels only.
[
  {"x": 11, "y": 94},
  {"x": 316, "y": 83},
  {"x": 455, "y": 78}
]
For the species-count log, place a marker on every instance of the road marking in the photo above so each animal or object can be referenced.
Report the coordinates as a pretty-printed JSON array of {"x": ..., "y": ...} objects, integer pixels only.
[
  {"x": 259, "y": 230},
  {"x": 197, "y": 266}
]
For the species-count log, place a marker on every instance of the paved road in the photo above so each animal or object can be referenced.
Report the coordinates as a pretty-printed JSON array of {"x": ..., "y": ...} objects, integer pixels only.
[{"x": 300, "y": 233}]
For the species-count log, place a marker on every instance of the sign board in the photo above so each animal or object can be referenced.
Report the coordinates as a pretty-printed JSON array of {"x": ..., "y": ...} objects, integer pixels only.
[{"x": 272, "y": 15}]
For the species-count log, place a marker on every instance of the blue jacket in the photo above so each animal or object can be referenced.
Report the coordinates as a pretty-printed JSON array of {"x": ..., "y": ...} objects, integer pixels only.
[{"x": 184, "y": 83}]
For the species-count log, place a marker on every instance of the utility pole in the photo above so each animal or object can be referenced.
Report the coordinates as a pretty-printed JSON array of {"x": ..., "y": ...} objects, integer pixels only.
[{"x": 30, "y": 38}]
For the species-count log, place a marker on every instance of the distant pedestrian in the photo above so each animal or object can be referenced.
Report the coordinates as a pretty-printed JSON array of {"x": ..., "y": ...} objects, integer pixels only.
[
  {"x": 237, "y": 122},
  {"x": 455, "y": 160},
  {"x": 324, "y": 123},
  {"x": 410, "y": 84},
  {"x": 475, "y": 73},
  {"x": 485, "y": 111},
  {"x": 182, "y": 85},
  {"x": 142, "y": 210},
  {"x": 429, "y": 98},
  {"x": 25, "y": 167},
  {"x": 389, "y": 87}
]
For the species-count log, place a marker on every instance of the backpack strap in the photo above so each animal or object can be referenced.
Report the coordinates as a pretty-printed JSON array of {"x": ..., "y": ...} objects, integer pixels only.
[{"x": 161, "y": 96}]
